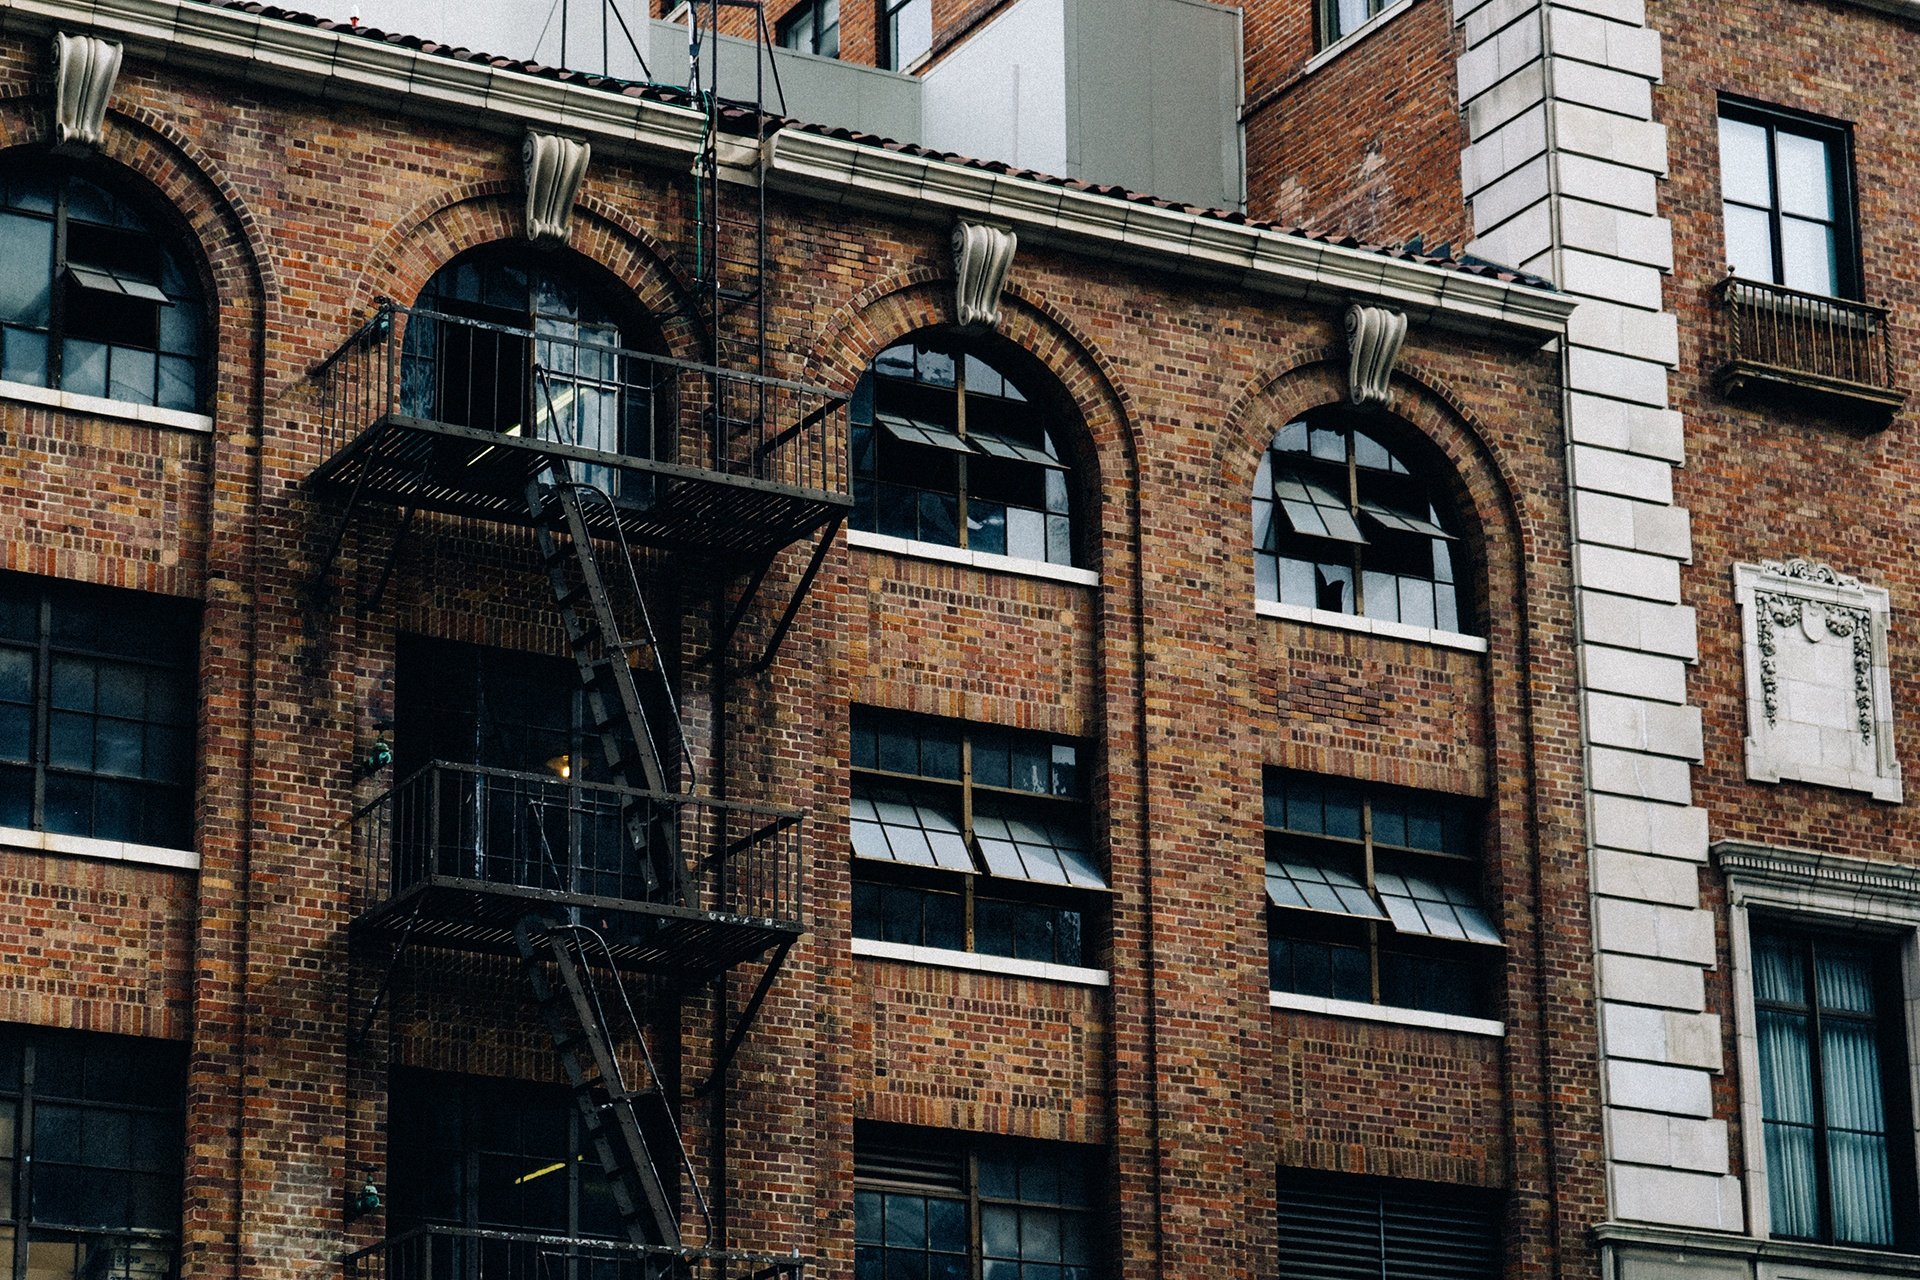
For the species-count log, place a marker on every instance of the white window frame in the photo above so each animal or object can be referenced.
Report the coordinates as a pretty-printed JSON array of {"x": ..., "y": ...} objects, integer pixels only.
[{"x": 1823, "y": 890}]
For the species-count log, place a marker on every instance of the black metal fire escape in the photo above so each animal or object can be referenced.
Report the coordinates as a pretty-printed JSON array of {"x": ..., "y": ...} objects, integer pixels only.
[{"x": 737, "y": 465}]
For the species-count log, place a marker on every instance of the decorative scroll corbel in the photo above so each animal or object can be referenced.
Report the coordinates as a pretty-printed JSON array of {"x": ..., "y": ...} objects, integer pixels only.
[
  {"x": 1374, "y": 335},
  {"x": 85, "y": 68},
  {"x": 556, "y": 167},
  {"x": 982, "y": 256}
]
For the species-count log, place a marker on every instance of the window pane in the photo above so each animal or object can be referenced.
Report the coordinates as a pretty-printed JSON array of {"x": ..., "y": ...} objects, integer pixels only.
[
  {"x": 131, "y": 375},
  {"x": 23, "y": 357},
  {"x": 84, "y": 367},
  {"x": 1809, "y": 254},
  {"x": 1806, "y": 178},
  {"x": 26, "y": 288},
  {"x": 1749, "y": 243},
  {"x": 1744, "y": 165}
]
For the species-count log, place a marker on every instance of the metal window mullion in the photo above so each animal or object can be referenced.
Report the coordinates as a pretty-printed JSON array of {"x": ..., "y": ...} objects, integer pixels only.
[
  {"x": 1366, "y": 870},
  {"x": 1359, "y": 571},
  {"x": 1816, "y": 1057},
  {"x": 976, "y": 1230},
  {"x": 40, "y": 753},
  {"x": 23, "y": 1168},
  {"x": 56, "y": 292},
  {"x": 966, "y": 834},
  {"x": 960, "y": 429},
  {"x": 1776, "y": 217}
]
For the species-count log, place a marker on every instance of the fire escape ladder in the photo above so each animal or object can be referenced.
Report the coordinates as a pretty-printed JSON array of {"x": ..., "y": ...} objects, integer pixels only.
[
  {"x": 611, "y": 669},
  {"x": 609, "y": 1108}
]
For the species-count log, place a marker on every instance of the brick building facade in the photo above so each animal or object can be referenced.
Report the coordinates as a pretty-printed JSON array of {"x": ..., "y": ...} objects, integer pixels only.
[{"x": 1180, "y": 747}]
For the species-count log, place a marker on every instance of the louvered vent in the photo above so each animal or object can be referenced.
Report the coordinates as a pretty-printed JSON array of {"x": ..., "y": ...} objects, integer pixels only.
[
  {"x": 1335, "y": 1228},
  {"x": 877, "y": 1159}
]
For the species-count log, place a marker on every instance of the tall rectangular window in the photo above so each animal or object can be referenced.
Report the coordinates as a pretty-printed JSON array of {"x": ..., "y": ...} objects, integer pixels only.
[
  {"x": 812, "y": 26},
  {"x": 971, "y": 838},
  {"x": 937, "y": 1205},
  {"x": 96, "y": 711},
  {"x": 1786, "y": 188},
  {"x": 906, "y": 32},
  {"x": 1374, "y": 896},
  {"x": 90, "y": 1155},
  {"x": 1834, "y": 1105},
  {"x": 1341, "y": 18}
]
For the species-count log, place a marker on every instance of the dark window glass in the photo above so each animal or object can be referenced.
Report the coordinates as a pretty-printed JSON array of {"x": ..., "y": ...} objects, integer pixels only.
[
  {"x": 949, "y": 450},
  {"x": 98, "y": 298},
  {"x": 812, "y": 26},
  {"x": 946, "y": 1206},
  {"x": 1833, "y": 1098},
  {"x": 1786, "y": 191},
  {"x": 1341, "y": 18},
  {"x": 94, "y": 1181},
  {"x": 1017, "y": 878},
  {"x": 906, "y": 32},
  {"x": 1343, "y": 524},
  {"x": 1373, "y": 896},
  {"x": 96, "y": 712}
]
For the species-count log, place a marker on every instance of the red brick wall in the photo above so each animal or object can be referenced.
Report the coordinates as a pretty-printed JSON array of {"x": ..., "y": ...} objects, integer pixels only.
[
  {"x": 1176, "y": 385},
  {"x": 1367, "y": 144},
  {"x": 1765, "y": 478}
]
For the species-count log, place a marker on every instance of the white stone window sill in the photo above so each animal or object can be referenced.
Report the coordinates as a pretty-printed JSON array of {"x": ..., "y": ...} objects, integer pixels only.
[
  {"x": 1355, "y": 36},
  {"x": 1385, "y": 1013},
  {"x": 972, "y": 559},
  {"x": 874, "y": 949},
  {"x": 100, "y": 407},
  {"x": 16, "y": 839},
  {"x": 1370, "y": 626}
]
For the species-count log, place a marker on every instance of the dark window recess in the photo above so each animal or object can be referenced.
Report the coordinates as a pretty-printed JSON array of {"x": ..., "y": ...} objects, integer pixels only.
[
  {"x": 948, "y": 449},
  {"x": 1346, "y": 523},
  {"x": 90, "y": 1155},
  {"x": 812, "y": 26},
  {"x": 937, "y": 1205},
  {"x": 1334, "y": 1227},
  {"x": 1786, "y": 188},
  {"x": 97, "y": 299},
  {"x": 1373, "y": 895},
  {"x": 1834, "y": 1102},
  {"x": 500, "y": 1155},
  {"x": 970, "y": 837},
  {"x": 96, "y": 711}
]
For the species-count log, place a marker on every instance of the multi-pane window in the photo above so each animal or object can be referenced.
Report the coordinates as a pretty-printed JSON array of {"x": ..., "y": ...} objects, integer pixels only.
[
  {"x": 1786, "y": 187},
  {"x": 1833, "y": 1095},
  {"x": 1347, "y": 523},
  {"x": 519, "y": 792},
  {"x": 1336, "y": 1227},
  {"x": 949, "y": 450},
  {"x": 1374, "y": 896},
  {"x": 945, "y": 1206},
  {"x": 812, "y": 26},
  {"x": 906, "y": 32},
  {"x": 96, "y": 298},
  {"x": 96, "y": 711},
  {"x": 971, "y": 838},
  {"x": 90, "y": 1153},
  {"x": 494, "y": 1155},
  {"x": 1341, "y": 18}
]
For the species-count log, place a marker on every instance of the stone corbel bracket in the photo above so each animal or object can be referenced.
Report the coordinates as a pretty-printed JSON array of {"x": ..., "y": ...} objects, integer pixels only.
[
  {"x": 1819, "y": 692},
  {"x": 84, "y": 69},
  {"x": 1374, "y": 335},
  {"x": 982, "y": 256},
  {"x": 556, "y": 168}
]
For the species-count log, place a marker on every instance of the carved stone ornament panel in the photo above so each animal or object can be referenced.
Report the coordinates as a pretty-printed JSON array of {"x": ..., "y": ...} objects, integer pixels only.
[
  {"x": 1819, "y": 700},
  {"x": 84, "y": 69},
  {"x": 1374, "y": 335},
  {"x": 555, "y": 167},
  {"x": 982, "y": 257}
]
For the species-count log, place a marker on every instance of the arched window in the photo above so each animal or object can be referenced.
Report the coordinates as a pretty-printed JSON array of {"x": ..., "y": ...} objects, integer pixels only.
[
  {"x": 506, "y": 339},
  {"x": 97, "y": 298},
  {"x": 1347, "y": 519},
  {"x": 951, "y": 449}
]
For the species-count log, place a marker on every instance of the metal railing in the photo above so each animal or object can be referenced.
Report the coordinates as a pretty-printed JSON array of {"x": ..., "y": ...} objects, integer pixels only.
[
  {"x": 1772, "y": 329},
  {"x": 514, "y": 830},
  {"x": 631, "y": 406},
  {"x": 454, "y": 1253}
]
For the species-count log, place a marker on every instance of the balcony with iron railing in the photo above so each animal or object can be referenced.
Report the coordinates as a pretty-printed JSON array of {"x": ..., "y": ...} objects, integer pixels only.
[
  {"x": 437, "y": 412},
  {"x": 455, "y": 855},
  {"x": 1806, "y": 345},
  {"x": 457, "y": 1253}
]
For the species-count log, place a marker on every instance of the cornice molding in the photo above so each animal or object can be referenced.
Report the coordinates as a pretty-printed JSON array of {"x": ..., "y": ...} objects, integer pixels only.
[{"x": 1743, "y": 862}]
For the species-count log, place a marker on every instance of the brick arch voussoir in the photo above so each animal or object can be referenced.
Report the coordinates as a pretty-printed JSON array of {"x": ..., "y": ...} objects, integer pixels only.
[{"x": 489, "y": 212}]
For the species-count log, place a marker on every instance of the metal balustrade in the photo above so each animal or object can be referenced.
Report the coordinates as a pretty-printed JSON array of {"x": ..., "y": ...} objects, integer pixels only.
[
  {"x": 454, "y": 1253},
  {"x": 1805, "y": 342}
]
